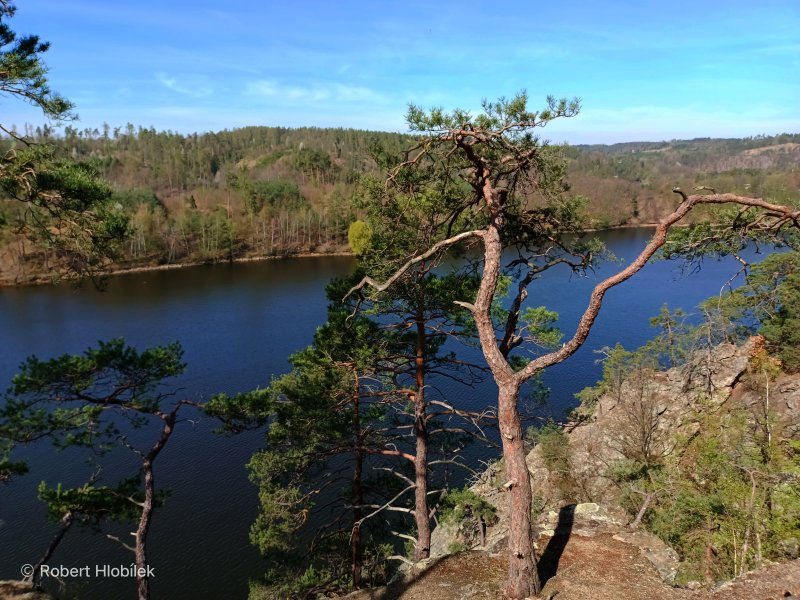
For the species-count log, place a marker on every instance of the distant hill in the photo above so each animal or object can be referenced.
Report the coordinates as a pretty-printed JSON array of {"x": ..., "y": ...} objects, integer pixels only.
[{"x": 272, "y": 190}]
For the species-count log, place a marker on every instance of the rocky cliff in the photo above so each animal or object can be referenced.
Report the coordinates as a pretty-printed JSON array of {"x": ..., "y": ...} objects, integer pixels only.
[{"x": 581, "y": 509}]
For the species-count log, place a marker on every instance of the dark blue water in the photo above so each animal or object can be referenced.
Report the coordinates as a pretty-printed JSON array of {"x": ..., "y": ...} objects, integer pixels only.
[{"x": 238, "y": 323}]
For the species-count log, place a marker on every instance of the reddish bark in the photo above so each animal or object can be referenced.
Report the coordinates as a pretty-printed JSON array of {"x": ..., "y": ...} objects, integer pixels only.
[
  {"x": 142, "y": 581},
  {"x": 523, "y": 578},
  {"x": 356, "y": 553},
  {"x": 421, "y": 511}
]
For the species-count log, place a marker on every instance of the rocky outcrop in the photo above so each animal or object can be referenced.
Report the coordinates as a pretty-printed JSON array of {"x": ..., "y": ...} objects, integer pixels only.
[
  {"x": 21, "y": 590},
  {"x": 645, "y": 415},
  {"x": 642, "y": 417}
]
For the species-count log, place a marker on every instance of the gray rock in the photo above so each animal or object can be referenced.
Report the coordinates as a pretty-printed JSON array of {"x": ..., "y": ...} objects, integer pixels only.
[
  {"x": 442, "y": 537},
  {"x": 789, "y": 548},
  {"x": 661, "y": 556}
]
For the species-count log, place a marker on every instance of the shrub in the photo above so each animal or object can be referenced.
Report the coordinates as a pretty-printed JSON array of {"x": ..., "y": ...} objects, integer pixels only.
[
  {"x": 469, "y": 512},
  {"x": 358, "y": 237}
]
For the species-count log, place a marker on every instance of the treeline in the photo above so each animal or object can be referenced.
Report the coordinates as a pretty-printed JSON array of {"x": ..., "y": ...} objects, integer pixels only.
[
  {"x": 166, "y": 162},
  {"x": 631, "y": 183},
  {"x": 255, "y": 191},
  {"x": 260, "y": 191}
]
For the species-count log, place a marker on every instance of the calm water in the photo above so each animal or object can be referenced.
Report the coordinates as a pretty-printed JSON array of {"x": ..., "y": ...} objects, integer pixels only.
[{"x": 238, "y": 323}]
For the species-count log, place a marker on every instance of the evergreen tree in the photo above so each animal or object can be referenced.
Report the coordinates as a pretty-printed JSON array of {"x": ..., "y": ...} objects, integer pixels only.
[
  {"x": 420, "y": 311},
  {"x": 62, "y": 206},
  {"x": 515, "y": 186},
  {"x": 325, "y": 420},
  {"x": 80, "y": 401},
  {"x": 769, "y": 302}
]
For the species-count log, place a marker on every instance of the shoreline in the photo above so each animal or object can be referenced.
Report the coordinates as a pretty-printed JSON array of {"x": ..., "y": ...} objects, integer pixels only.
[
  {"x": 245, "y": 259},
  {"x": 113, "y": 272}
]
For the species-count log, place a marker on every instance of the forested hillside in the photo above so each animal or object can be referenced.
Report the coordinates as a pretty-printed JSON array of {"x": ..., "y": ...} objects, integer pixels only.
[
  {"x": 262, "y": 191},
  {"x": 631, "y": 182}
]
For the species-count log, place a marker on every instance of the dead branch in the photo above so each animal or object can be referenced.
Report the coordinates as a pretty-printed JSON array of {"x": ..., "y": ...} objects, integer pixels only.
[
  {"x": 386, "y": 506},
  {"x": 381, "y": 286},
  {"x": 123, "y": 544}
]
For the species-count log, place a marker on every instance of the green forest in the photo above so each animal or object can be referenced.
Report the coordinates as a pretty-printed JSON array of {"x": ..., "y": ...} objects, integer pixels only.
[{"x": 272, "y": 191}]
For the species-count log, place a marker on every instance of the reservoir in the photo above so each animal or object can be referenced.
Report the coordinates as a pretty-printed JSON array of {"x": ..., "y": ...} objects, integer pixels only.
[{"x": 238, "y": 323}]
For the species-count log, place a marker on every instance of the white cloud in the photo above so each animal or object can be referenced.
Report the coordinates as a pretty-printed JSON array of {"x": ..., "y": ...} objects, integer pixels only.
[
  {"x": 262, "y": 88},
  {"x": 335, "y": 92},
  {"x": 195, "y": 86}
]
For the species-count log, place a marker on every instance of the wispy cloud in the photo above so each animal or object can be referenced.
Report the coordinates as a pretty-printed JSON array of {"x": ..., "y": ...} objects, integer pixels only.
[
  {"x": 194, "y": 86},
  {"x": 645, "y": 70},
  {"x": 313, "y": 93},
  {"x": 178, "y": 111}
]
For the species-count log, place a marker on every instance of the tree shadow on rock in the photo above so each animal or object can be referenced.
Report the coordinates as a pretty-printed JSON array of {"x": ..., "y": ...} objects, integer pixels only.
[{"x": 548, "y": 562}]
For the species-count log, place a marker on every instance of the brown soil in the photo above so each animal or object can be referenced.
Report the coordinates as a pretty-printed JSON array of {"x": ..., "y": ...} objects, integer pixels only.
[
  {"x": 473, "y": 575},
  {"x": 589, "y": 568},
  {"x": 18, "y": 590},
  {"x": 788, "y": 147}
]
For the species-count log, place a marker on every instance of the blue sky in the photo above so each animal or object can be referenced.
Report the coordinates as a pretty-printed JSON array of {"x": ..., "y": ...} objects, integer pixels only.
[{"x": 644, "y": 70}]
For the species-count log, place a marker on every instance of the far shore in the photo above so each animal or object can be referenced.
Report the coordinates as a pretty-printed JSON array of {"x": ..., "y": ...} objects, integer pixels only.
[
  {"x": 243, "y": 259},
  {"x": 44, "y": 280}
]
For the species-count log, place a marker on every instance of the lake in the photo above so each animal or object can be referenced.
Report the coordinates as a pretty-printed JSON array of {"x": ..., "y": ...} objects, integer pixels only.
[{"x": 238, "y": 324}]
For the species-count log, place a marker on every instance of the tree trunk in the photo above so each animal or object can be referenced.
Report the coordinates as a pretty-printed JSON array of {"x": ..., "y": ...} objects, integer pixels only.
[
  {"x": 356, "y": 557},
  {"x": 64, "y": 524},
  {"x": 356, "y": 554},
  {"x": 421, "y": 512},
  {"x": 523, "y": 579},
  {"x": 142, "y": 580}
]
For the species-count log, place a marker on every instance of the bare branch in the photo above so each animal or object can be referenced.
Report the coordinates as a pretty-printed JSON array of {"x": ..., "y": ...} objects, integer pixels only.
[
  {"x": 658, "y": 240},
  {"x": 405, "y": 536},
  {"x": 381, "y": 286},
  {"x": 123, "y": 544},
  {"x": 396, "y": 474},
  {"x": 386, "y": 506}
]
